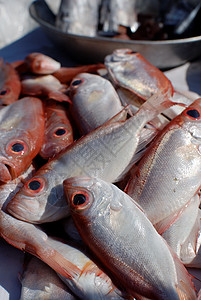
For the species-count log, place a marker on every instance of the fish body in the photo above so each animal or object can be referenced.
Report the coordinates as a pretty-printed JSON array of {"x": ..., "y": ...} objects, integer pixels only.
[
  {"x": 40, "y": 282},
  {"x": 58, "y": 133},
  {"x": 132, "y": 71},
  {"x": 39, "y": 63},
  {"x": 119, "y": 234},
  {"x": 172, "y": 163},
  {"x": 86, "y": 280},
  {"x": 78, "y": 17},
  {"x": 10, "y": 86},
  {"x": 21, "y": 131},
  {"x": 106, "y": 152},
  {"x": 94, "y": 101},
  {"x": 46, "y": 86}
]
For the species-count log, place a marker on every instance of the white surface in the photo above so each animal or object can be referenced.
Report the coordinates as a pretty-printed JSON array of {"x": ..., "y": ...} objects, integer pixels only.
[{"x": 183, "y": 78}]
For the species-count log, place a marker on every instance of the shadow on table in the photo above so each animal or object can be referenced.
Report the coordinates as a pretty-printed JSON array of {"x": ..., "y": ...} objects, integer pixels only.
[{"x": 35, "y": 41}]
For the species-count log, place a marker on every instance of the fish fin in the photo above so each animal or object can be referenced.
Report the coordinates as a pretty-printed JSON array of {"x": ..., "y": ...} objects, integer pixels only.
[
  {"x": 58, "y": 262},
  {"x": 164, "y": 224},
  {"x": 156, "y": 104},
  {"x": 185, "y": 287},
  {"x": 58, "y": 96}
]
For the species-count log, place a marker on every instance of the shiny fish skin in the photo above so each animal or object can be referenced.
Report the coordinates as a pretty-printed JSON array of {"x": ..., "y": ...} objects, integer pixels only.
[
  {"x": 99, "y": 210},
  {"x": 78, "y": 17},
  {"x": 105, "y": 152},
  {"x": 40, "y": 282},
  {"x": 171, "y": 164},
  {"x": 94, "y": 101},
  {"x": 46, "y": 86},
  {"x": 58, "y": 133},
  {"x": 10, "y": 86},
  {"x": 132, "y": 71},
  {"x": 86, "y": 279},
  {"x": 21, "y": 131},
  {"x": 42, "y": 64}
]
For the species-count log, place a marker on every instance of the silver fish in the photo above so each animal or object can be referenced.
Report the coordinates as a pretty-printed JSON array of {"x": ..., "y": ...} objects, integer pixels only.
[
  {"x": 106, "y": 152},
  {"x": 119, "y": 234}
]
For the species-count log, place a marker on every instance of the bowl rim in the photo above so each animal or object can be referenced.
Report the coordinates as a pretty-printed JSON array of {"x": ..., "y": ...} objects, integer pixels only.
[{"x": 32, "y": 10}]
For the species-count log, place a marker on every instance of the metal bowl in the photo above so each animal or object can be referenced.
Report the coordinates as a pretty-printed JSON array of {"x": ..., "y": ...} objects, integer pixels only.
[{"x": 163, "y": 54}]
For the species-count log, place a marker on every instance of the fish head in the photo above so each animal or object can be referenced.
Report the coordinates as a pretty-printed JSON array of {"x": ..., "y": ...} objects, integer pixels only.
[
  {"x": 40, "y": 200},
  {"x": 14, "y": 156},
  {"x": 88, "y": 197},
  {"x": 56, "y": 139},
  {"x": 191, "y": 120}
]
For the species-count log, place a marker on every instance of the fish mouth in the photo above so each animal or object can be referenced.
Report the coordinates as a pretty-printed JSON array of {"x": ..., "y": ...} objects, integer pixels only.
[
  {"x": 20, "y": 211},
  {"x": 6, "y": 172}
]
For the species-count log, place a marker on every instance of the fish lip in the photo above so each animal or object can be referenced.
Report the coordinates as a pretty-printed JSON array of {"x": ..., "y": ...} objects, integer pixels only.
[
  {"x": 17, "y": 210},
  {"x": 7, "y": 171}
]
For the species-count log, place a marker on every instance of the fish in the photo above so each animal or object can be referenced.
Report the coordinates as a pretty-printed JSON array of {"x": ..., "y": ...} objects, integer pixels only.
[
  {"x": 21, "y": 131},
  {"x": 80, "y": 17},
  {"x": 94, "y": 101},
  {"x": 120, "y": 235},
  {"x": 106, "y": 152},
  {"x": 114, "y": 13},
  {"x": 39, "y": 63},
  {"x": 39, "y": 281},
  {"x": 10, "y": 85},
  {"x": 171, "y": 163},
  {"x": 85, "y": 278},
  {"x": 66, "y": 74},
  {"x": 130, "y": 70},
  {"x": 45, "y": 86},
  {"x": 182, "y": 235},
  {"x": 58, "y": 133}
]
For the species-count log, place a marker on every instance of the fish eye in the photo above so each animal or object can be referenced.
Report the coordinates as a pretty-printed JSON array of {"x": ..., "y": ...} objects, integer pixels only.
[
  {"x": 4, "y": 92},
  {"x": 60, "y": 132},
  {"x": 193, "y": 113},
  {"x": 35, "y": 185},
  {"x": 80, "y": 199},
  {"x": 17, "y": 147},
  {"x": 76, "y": 82}
]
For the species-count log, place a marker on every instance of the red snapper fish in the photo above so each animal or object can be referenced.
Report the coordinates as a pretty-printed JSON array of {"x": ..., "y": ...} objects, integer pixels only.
[
  {"x": 10, "y": 86},
  {"x": 130, "y": 70},
  {"x": 105, "y": 152},
  {"x": 58, "y": 133},
  {"x": 46, "y": 86},
  {"x": 21, "y": 131},
  {"x": 94, "y": 101},
  {"x": 119, "y": 234},
  {"x": 169, "y": 174}
]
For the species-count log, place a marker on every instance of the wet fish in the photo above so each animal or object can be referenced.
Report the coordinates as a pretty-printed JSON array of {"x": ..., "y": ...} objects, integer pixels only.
[
  {"x": 21, "y": 131},
  {"x": 130, "y": 70},
  {"x": 94, "y": 101},
  {"x": 106, "y": 152},
  {"x": 85, "y": 278},
  {"x": 58, "y": 133},
  {"x": 80, "y": 17},
  {"x": 119, "y": 234},
  {"x": 10, "y": 86},
  {"x": 172, "y": 163},
  {"x": 39, "y": 63},
  {"x": 40, "y": 282},
  {"x": 46, "y": 86}
]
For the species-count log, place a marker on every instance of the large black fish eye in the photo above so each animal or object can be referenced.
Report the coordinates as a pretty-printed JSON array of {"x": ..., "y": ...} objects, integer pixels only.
[
  {"x": 60, "y": 131},
  {"x": 34, "y": 185},
  {"x": 17, "y": 147},
  {"x": 79, "y": 199},
  {"x": 4, "y": 92},
  {"x": 76, "y": 82},
  {"x": 193, "y": 113}
]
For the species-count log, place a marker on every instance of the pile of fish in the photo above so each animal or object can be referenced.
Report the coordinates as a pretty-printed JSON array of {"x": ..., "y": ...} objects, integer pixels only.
[{"x": 100, "y": 178}]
